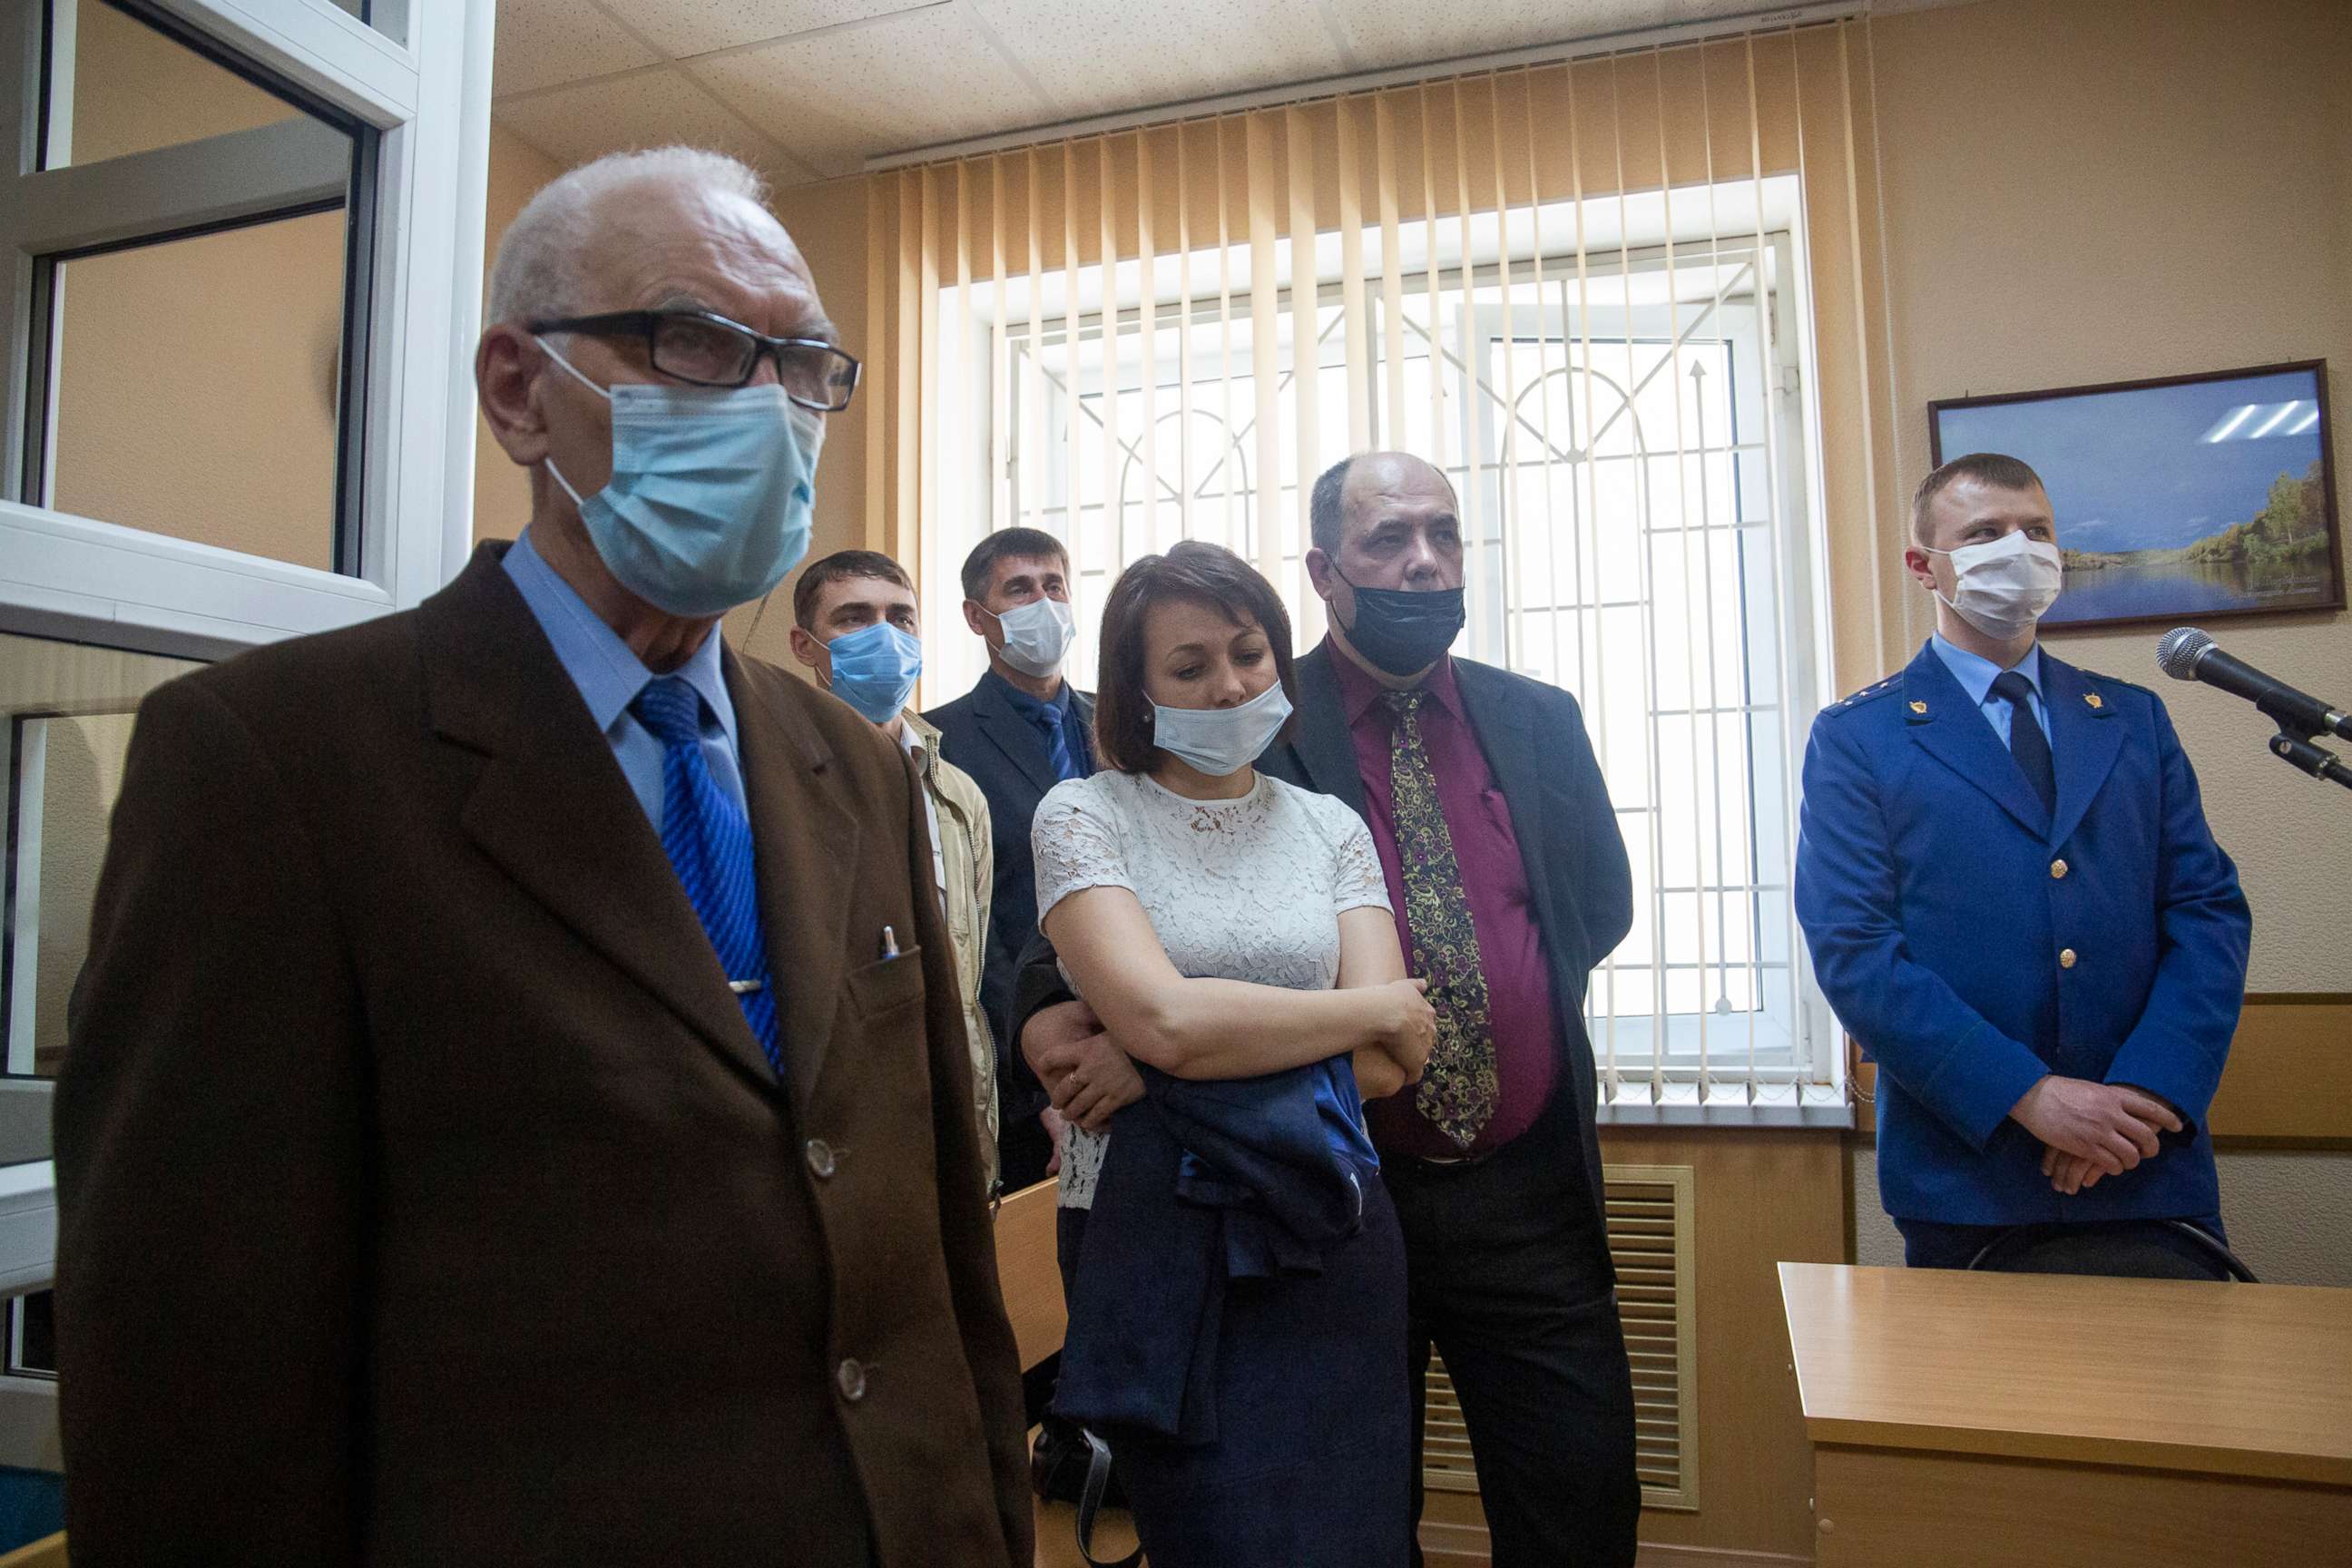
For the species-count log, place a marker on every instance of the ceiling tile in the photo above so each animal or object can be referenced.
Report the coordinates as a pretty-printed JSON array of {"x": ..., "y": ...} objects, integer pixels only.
[
  {"x": 1382, "y": 33},
  {"x": 683, "y": 27},
  {"x": 543, "y": 42},
  {"x": 652, "y": 108},
  {"x": 1166, "y": 52},
  {"x": 835, "y": 98}
]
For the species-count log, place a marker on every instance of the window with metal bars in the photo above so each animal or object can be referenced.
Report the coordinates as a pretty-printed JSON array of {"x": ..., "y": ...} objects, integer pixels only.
[{"x": 1622, "y": 418}]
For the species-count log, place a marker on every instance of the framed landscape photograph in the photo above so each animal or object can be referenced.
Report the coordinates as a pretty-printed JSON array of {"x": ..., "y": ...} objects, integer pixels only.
[{"x": 2189, "y": 498}]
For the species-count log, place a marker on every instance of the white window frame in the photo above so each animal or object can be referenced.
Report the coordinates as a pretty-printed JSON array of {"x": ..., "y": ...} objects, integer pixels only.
[
  {"x": 1802, "y": 1045},
  {"x": 427, "y": 95},
  {"x": 86, "y": 579},
  {"x": 1803, "y": 1071}
]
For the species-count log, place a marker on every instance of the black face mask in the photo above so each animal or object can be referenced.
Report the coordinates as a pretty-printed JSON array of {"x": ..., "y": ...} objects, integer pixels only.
[{"x": 1404, "y": 633}]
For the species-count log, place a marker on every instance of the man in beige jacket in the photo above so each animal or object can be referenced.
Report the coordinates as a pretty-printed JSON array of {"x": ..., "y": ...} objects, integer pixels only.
[{"x": 857, "y": 624}]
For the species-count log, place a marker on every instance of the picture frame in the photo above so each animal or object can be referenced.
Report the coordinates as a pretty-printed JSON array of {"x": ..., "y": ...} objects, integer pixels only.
[{"x": 2180, "y": 499}]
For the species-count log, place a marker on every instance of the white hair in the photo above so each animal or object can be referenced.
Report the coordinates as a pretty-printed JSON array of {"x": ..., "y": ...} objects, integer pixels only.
[{"x": 540, "y": 267}]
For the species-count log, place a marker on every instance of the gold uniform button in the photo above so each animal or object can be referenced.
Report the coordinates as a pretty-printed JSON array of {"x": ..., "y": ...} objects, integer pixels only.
[
  {"x": 2057, "y": 868},
  {"x": 2066, "y": 957}
]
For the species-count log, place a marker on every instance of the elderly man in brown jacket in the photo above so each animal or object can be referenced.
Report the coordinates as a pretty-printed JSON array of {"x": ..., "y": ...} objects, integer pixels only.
[{"x": 518, "y": 1108}]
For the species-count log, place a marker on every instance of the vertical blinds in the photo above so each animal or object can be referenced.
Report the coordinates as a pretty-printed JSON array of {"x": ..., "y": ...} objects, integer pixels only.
[{"x": 1630, "y": 304}]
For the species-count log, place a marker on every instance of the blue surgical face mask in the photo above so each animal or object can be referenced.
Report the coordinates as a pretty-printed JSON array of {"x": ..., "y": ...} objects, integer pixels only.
[
  {"x": 708, "y": 505},
  {"x": 1222, "y": 742},
  {"x": 875, "y": 669}
]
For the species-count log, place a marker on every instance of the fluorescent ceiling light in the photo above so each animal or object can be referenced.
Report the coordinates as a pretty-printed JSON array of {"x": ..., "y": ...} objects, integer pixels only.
[
  {"x": 2275, "y": 420},
  {"x": 2309, "y": 420},
  {"x": 2221, "y": 432}
]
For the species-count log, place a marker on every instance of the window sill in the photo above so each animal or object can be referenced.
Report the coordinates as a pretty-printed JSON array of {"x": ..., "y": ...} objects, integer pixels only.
[{"x": 1825, "y": 1118}]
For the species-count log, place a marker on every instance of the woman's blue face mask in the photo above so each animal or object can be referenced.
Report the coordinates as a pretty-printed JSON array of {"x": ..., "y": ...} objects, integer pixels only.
[
  {"x": 712, "y": 490},
  {"x": 875, "y": 669}
]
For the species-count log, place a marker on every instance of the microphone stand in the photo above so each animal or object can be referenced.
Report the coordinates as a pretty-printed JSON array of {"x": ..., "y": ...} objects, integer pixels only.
[{"x": 2317, "y": 761}]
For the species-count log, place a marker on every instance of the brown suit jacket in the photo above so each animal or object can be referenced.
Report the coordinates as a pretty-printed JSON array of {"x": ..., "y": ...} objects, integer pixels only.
[{"x": 424, "y": 1197}]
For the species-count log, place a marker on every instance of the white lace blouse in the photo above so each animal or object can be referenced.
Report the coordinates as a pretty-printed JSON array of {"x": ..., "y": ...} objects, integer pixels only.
[{"x": 1237, "y": 890}]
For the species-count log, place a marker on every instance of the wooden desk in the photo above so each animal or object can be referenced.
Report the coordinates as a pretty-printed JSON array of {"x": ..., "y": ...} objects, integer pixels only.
[{"x": 1961, "y": 1419}]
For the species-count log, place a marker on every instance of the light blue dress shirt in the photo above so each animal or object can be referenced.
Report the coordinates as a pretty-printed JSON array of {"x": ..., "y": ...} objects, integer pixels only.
[
  {"x": 1975, "y": 675},
  {"x": 610, "y": 676}
]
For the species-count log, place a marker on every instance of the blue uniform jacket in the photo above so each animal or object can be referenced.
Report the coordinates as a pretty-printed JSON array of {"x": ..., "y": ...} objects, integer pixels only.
[{"x": 1972, "y": 943}]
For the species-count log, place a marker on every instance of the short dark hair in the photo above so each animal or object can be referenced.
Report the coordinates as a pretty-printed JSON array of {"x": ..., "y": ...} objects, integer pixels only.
[
  {"x": 1995, "y": 468},
  {"x": 1008, "y": 544},
  {"x": 1327, "y": 520},
  {"x": 834, "y": 568},
  {"x": 1205, "y": 573}
]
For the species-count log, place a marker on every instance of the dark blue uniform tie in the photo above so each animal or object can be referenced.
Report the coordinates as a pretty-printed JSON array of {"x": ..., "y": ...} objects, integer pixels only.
[
  {"x": 2027, "y": 744},
  {"x": 1050, "y": 720},
  {"x": 709, "y": 843}
]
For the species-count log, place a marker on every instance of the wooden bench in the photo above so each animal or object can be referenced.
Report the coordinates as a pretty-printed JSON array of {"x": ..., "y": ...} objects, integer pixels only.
[{"x": 50, "y": 1552}]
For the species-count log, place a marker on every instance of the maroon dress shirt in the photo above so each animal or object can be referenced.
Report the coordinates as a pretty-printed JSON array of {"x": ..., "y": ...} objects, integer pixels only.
[{"x": 1502, "y": 905}]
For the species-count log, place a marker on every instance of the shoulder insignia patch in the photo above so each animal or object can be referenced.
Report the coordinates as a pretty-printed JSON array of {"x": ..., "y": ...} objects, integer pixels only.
[{"x": 1855, "y": 700}]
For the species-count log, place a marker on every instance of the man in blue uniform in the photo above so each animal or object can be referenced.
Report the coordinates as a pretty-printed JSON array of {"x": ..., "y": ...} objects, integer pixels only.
[{"x": 2014, "y": 904}]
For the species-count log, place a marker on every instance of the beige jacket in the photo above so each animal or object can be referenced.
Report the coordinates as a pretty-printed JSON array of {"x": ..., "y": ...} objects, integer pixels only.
[{"x": 971, "y": 857}]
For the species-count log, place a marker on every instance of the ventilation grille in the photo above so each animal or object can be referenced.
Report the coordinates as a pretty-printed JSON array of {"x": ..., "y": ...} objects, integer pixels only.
[{"x": 1650, "y": 1234}]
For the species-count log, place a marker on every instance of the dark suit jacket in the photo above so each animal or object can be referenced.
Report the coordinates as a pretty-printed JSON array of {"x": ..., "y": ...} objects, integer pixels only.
[
  {"x": 1533, "y": 738},
  {"x": 980, "y": 734},
  {"x": 424, "y": 1197}
]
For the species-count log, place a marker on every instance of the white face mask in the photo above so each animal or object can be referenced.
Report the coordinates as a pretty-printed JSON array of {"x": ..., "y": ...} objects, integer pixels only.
[
  {"x": 2003, "y": 588},
  {"x": 1221, "y": 742},
  {"x": 1037, "y": 635}
]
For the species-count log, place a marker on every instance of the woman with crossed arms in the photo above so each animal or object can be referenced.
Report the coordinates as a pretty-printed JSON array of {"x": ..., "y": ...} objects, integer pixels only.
[{"x": 1225, "y": 925}]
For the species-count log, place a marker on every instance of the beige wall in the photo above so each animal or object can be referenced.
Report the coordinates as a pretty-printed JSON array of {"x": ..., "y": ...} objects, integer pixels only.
[
  {"x": 501, "y": 490},
  {"x": 2098, "y": 190},
  {"x": 134, "y": 91},
  {"x": 150, "y": 336}
]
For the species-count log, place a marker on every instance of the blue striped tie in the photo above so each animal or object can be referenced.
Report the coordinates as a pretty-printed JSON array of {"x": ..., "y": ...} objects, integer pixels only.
[{"x": 709, "y": 843}]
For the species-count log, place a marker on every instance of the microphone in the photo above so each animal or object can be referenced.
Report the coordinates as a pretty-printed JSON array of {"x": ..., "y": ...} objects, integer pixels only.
[{"x": 2187, "y": 654}]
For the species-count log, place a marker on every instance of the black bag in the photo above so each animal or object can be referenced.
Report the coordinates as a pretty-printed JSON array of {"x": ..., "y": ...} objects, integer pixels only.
[
  {"x": 1058, "y": 1465},
  {"x": 1089, "y": 1460}
]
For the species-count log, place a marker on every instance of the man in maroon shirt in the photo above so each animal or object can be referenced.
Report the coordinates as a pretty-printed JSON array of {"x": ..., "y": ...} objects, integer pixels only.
[{"x": 1510, "y": 882}]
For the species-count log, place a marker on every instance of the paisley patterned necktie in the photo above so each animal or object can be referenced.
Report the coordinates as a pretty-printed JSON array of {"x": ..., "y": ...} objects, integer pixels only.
[{"x": 1457, "y": 1089}]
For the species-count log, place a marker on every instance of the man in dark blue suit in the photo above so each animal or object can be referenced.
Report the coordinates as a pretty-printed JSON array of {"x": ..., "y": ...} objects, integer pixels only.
[
  {"x": 1018, "y": 732},
  {"x": 1509, "y": 876},
  {"x": 2014, "y": 904}
]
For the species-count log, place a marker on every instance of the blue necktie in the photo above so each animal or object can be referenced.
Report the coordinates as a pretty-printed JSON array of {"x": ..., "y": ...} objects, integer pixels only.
[
  {"x": 1050, "y": 718},
  {"x": 2027, "y": 744},
  {"x": 709, "y": 843}
]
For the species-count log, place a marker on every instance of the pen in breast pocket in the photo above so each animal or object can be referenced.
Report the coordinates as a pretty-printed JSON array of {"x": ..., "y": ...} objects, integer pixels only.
[{"x": 889, "y": 942}]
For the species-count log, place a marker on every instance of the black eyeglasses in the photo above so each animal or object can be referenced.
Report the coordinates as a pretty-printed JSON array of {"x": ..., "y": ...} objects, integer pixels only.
[{"x": 709, "y": 350}]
